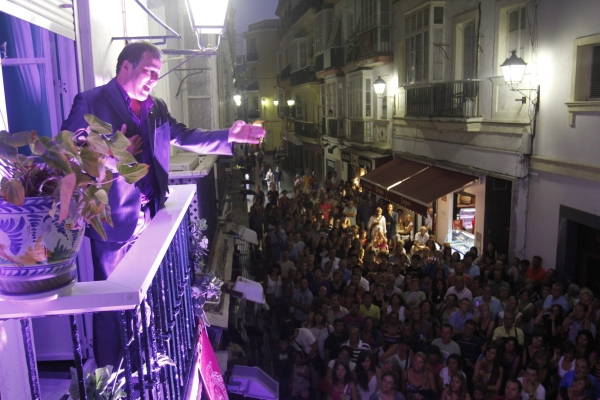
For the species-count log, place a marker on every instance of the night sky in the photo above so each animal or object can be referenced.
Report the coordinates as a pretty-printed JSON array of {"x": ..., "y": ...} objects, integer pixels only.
[{"x": 250, "y": 11}]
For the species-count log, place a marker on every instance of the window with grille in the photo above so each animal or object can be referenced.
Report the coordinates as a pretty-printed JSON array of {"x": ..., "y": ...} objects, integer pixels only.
[
  {"x": 469, "y": 51},
  {"x": 355, "y": 98},
  {"x": 299, "y": 54},
  {"x": 423, "y": 29}
]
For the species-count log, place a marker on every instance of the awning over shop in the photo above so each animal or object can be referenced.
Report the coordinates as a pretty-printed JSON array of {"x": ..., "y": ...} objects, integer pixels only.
[{"x": 412, "y": 184}]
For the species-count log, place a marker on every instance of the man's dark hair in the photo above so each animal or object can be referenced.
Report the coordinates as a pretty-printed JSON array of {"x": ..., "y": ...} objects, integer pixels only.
[
  {"x": 471, "y": 322},
  {"x": 470, "y": 255},
  {"x": 416, "y": 257},
  {"x": 516, "y": 382},
  {"x": 134, "y": 52},
  {"x": 286, "y": 332}
]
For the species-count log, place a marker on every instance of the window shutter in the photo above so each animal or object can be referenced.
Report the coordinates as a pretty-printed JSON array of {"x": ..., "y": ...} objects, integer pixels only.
[
  {"x": 53, "y": 15},
  {"x": 595, "y": 73}
]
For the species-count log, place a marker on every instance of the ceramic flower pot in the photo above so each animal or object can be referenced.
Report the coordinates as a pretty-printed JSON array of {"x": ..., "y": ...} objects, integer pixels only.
[{"x": 37, "y": 253}]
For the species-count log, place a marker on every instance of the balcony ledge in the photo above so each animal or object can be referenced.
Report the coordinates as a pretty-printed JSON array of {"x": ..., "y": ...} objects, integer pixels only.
[
  {"x": 475, "y": 125},
  {"x": 371, "y": 61}
]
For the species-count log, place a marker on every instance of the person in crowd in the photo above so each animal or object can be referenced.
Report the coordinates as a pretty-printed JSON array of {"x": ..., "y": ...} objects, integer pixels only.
[
  {"x": 577, "y": 391},
  {"x": 342, "y": 386},
  {"x": 282, "y": 363},
  {"x": 367, "y": 375},
  {"x": 511, "y": 359},
  {"x": 489, "y": 371},
  {"x": 459, "y": 317},
  {"x": 419, "y": 383},
  {"x": 460, "y": 289},
  {"x": 355, "y": 343},
  {"x": 494, "y": 306},
  {"x": 512, "y": 391},
  {"x": 331, "y": 346},
  {"x": 532, "y": 387},
  {"x": 509, "y": 329},
  {"x": 301, "y": 378},
  {"x": 377, "y": 223},
  {"x": 582, "y": 367},
  {"x": 536, "y": 272},
  {"x": 456, "y": 388},
  {"x": 301, "y": 301},
  {"x": 388, "y": 388},
  {"x": 445, "y": 343}
]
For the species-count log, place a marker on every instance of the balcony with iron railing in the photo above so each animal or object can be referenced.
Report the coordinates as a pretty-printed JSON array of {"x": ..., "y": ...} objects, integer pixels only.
[
  {"x": 150, "y": 291},
  {"x": 284, "y": 74},
  {"x": 252, "y": 56},
  {"x": 251, "y": 86},
  {"x": 304, "y": 75},
  {"x": 457, "y": 99},
  {"x": 307, "y": 129},
  {"x": 375, "y": 41},
  {"x": 298, "y": 12},
  {"x": 361, "y": 131}
]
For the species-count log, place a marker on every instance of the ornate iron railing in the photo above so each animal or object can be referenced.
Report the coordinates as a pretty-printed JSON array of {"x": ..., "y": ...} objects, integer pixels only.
[
  {"x": 458, "y": 99},
  {"x": 150, "y": 290}
]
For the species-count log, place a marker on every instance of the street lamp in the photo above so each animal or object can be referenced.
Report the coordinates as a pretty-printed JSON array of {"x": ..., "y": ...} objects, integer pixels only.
[
  {"x": 264, "y": 102},
  {"x": 238, "y": 99},
  {"x": 276, "y": 103},
  {"x": 513, "y": 69},
  {"x": 379, "y": 86},
  {"x": 291, "y": 102},
  {"x": 207, "y": 17}
]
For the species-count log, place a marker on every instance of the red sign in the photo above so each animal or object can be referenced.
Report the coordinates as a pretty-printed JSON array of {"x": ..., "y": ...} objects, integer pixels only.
[{"x": 210, "y": 371}]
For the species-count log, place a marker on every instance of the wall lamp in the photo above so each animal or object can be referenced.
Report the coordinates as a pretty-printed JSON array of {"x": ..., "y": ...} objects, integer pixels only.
[
  {"x": 264, "y": 102},
  {"x": 237, "y": 98},
  {"x": 513, "y": 69},
  {"x": 379, "y": 87},
  {"x": 276, "y": 103},
  {"x": 291, "y": 102}
]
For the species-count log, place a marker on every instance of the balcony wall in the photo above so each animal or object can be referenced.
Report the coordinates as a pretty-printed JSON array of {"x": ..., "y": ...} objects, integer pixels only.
[
  {"x": 304, "y": 75},
  {"x": 376, "y": 41},
  {"x": 306, "y": 129},
  {"x": 458, "y": 99},
  {"x": 153, "y": 296}
]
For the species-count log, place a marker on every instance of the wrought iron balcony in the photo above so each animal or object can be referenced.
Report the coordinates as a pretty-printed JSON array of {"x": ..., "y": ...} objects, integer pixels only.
[
  {"x": 150, "y": 290},
  {"x": 334, "y": 57},
  {"x": 304, "y": 75},
  {"x": 284, "y": 74},
  {"x": 252, "y": 86},
  {"x": 376, "y": 41},
  {"x": 319, "y": 62},
  {"x": 252, "y": 56},
  {"x": 306, "y": 129},
  {"x": 297, "y": 12},
  {"x": 458, "y": 99}
]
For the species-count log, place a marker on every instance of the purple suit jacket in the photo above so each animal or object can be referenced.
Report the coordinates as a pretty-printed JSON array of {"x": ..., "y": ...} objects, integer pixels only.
[{"x": 107, "y": 103}]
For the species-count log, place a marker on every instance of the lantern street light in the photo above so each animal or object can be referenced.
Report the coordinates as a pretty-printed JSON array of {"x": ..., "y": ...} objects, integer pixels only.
[
  {"x": 513, "y": 69},
  {"x": 276, "y": 103},
  {"x": 238, "y": 99},
  {"x": 291, "y": 102},
  {"x": 379, "y": 86},
  {"x": 264, "y": 102},
  {"x": 207, "y": 17}
]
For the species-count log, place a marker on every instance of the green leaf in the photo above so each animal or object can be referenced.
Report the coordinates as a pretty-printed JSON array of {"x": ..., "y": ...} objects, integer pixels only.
[
  {"x": 57, "y": 161},
  {"x": 132, "y": 173},
  {"x": 66, "y": 140},
  {"x": 67, "y": 185},
  {"x": 7, "y": 152},
  {"x": 123, "y": 156},
  {"x": 102, "y": 378},
  {"x": 97, "y": 143},
  {"x": 108, "y": 181},
  {"x": 98, "y": 227},
  {"x": 101, "y": 195},
  {"x": 89, "y": 159},
  {"x": 12, "y": 191},
  {"x": 92, "y": 208},
  {"x": 106, "y": 216},
  {"x": 119, "y": 142},
  {"x": 98, "y": 126},
  {"x": 21, "y": 139},
  {"x": 82, "y": 178}
]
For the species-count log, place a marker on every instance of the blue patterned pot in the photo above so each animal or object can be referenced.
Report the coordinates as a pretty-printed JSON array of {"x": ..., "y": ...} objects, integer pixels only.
[{"x": 37, "y": 253}]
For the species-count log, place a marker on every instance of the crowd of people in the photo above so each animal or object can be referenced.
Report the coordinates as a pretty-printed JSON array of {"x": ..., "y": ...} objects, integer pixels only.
[{"x": 367, "y": 306}]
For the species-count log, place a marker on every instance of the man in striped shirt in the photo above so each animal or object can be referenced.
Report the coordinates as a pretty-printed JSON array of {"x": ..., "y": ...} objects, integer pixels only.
[{"x": 355, "y": 343}]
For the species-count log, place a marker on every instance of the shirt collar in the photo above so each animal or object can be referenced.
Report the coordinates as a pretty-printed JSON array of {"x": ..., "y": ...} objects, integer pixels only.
[{"x": 144, "y": 105}]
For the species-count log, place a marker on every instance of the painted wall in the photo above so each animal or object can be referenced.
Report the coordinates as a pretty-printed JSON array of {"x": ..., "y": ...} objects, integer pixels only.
[{"x": 559, "y": 24}]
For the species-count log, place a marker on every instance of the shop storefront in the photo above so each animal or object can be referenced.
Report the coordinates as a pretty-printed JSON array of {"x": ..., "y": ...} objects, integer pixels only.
[
  {"x": 447, "y": 196},
  {"x": 359, "y": 163},
  {"x": 313, "y": 159},
  {"x": 293, "y": 153}
]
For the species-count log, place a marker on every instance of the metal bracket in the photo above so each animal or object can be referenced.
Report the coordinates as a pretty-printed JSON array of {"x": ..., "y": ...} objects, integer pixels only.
[{"x": 164, "y": 38}]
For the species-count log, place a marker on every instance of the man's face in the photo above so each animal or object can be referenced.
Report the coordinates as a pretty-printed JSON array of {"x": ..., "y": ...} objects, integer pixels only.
[
  {"x": 536, "y": 262},
  {"x": 459, "y": 284},
  {"x": 139, "y": 82},
  {"x": 512, "y": 391},
  {"x": 487, "y": 291},
  {"x": 390, "y": 208},
  {"x": 331, "y": 254},
  {"x": 339, "y": 327},
  {"x": 469, "y": 330},
  {"x": 468, "y": 261},
  {"x": 446, "y": 334},
  {"x": 355, "y": 279},
  {"x": 509, "y": 320},
  {"x": 342, "y": 265},
  {"x": 556, "y": 292},
  {"x": 459, "y": 269},
  {"x": 367, "y": 300},
  {"x": 334, "y": 302},
  {"x": 318, "y": 273},
  {"x": 464, "y": 305},
  {"x": 530, "y": 375},
  {"x": 354, "y": 309},
  {"x": 354, "y": 334},
  {"x": 285, "y": 255},
  {"x": 304, "y": 284},
  {"x": 581, "y": 367}
]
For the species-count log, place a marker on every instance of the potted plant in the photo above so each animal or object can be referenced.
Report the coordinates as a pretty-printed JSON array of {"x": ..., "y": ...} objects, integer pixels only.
[{"x": 48, "y": 198}]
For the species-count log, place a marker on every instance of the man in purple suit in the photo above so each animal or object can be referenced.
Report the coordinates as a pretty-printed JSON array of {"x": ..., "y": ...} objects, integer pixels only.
[{"x": 125, "y": 102}]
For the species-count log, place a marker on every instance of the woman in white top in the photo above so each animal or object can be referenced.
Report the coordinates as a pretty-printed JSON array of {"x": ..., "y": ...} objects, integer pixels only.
[
  {"x": 532, "y": 388},
  {"x": 454, "y": 364},
  {"x": 565, "y": 363},
  {"x": 273, "y": 285},
  {"x": 395, "y": 305},
  {"x": 367, "y": 375},
  {"x": 320, "y": 330}
]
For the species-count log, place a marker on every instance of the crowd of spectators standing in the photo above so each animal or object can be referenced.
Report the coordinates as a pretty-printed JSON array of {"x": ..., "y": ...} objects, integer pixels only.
[{"x": 369, "y": 307}]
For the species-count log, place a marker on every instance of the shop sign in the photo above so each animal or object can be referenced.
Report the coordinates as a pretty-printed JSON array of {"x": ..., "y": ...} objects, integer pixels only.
[
  {"x": 346, "y": 157},
  {"x": 354, "y": 159},
  {"x": 330, "y": 163},
  {"x": 365, "y": 163},
  {"x": 210, "y": 371}
]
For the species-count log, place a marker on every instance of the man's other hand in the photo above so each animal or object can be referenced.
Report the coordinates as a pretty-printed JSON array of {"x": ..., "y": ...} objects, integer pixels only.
[
  {"x": 135, "y": 147},
  {"x": 241, "y": 132}
]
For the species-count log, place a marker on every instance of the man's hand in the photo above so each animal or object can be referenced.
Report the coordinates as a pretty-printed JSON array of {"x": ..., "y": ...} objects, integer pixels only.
[
  {"x": 135, "y": 146},
  {"x": 240, "y": 132}
]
